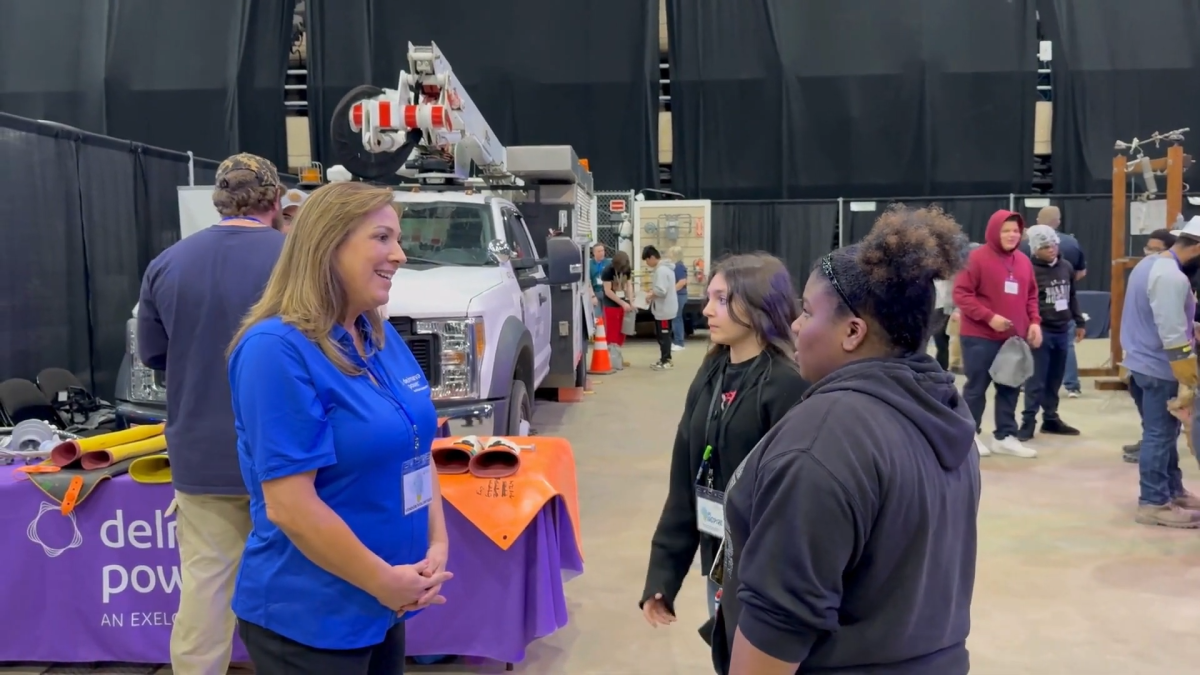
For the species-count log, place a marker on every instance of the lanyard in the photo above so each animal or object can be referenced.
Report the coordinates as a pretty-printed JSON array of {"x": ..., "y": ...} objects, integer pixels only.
[
  {"x": 711, "y": 460},
  {"x": 384, "y": 387},
  {"x": 250, "y": 218}
]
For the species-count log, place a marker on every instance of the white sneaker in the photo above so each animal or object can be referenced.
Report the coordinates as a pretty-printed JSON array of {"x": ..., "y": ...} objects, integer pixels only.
[
  {"x": 982, "y": 447},
  {"x": 1074, "y": 394},
  {"x": 676, "y": 348},
  {"x": 1011, "y": 446}
]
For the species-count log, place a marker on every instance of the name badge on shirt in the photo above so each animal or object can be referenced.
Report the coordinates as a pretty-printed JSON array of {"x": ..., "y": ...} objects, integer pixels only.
[
  {"x": 1060, "y": 305},
  {"x": 710, "y": 512},
  {"x": 1010, "y": 286},
  {"x": 418, "y": 483}
]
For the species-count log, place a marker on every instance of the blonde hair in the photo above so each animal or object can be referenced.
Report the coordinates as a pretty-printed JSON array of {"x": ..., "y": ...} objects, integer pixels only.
[
  {"x": 675, "y": 253},
  {"x": 304, "y": 290}
]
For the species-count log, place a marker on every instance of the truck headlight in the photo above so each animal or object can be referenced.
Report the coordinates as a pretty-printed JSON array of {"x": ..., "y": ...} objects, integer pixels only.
[
  {"x": 462, "y": 344},
  {"x": 145, "y": 385}
]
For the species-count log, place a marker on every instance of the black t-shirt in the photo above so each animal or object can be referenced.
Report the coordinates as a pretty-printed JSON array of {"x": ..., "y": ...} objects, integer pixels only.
[{"x": 618, "y": 285}]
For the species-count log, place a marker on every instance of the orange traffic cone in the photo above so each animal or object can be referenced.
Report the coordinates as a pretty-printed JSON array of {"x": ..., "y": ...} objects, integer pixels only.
[{"x": 601, "y": 364}]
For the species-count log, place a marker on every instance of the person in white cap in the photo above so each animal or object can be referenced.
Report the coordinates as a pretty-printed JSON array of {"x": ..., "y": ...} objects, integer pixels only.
[
  {"x": 292, "y": 200},
  {"x": 1157, "y": 336}
]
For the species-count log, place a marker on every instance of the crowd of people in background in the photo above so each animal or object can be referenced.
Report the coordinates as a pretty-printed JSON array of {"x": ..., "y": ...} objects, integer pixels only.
[{"x": 615, "y": 298}]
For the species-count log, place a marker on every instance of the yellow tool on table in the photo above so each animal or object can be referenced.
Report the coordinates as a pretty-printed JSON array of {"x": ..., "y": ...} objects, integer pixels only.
[{"x": 71, "y": 453}]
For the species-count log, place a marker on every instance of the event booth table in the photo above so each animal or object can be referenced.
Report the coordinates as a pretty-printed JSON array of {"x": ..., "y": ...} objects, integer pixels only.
[{"x": 102, "y": 584}]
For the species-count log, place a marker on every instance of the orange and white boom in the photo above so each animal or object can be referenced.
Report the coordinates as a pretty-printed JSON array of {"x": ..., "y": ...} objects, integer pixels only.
[{"x": 430, "y": 98}]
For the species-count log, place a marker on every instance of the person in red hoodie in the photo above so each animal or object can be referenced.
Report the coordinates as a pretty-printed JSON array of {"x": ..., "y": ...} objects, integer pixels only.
[{"x": 997, "y": 297}]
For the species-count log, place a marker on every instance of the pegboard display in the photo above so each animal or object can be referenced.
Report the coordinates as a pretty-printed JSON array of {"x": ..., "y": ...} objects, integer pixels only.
[{"x": 685, "y": 224}]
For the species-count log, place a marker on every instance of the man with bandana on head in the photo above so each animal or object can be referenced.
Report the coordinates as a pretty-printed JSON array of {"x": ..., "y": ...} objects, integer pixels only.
[
  {"x": 193, "y": 298},
  {"x": 1158, "y": 336}
]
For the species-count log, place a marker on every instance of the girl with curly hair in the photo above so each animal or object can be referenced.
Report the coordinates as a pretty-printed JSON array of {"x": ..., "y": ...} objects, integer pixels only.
[{"x": 850, "y": 531}]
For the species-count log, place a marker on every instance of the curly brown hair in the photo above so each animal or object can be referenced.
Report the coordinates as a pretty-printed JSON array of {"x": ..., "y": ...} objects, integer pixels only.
[{"x": 889, "y": 275}]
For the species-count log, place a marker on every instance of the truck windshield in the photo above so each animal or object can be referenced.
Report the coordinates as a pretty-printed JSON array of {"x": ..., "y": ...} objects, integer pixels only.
[{"x": 446, "y": 233}]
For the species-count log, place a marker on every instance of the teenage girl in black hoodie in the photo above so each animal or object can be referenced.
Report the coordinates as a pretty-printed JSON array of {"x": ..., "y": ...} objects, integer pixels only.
[{"x": 745, "y": 385}]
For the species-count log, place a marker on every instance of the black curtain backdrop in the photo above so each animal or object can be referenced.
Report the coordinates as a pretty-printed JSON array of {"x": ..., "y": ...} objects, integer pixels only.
[
  {"x": 971, "y": 213},
  {"x": 188, "y": 76},
  {"x": 543, "y": 72},
  {"x": 798, "y": 232},
  {"x": 44, "y": 315},
  {"x": 777, "y": 99},
  {"x": 1121, "y": 69},
  {"x": 83, "y": 215}
]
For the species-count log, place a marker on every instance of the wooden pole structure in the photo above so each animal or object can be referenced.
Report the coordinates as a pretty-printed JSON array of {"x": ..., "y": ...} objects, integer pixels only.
[{"x": 1122, "y": 262}]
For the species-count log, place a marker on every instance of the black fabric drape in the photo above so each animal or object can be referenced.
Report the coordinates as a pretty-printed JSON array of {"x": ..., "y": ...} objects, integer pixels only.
[
  {"x": 177, "y": 70},
  {"x": 1121, "y": 69},
  {"x": 177, "y": 74},
  {"x": 536, "y": 78},
  {"x": 44, "y": 315},
  {"x": 776, "y": 99},
  {"x": 156, "y": 180},
  {"x": 53, "y": 57},
  {"x": 106, "y": 189},
  {"x": 971, "y": 214},
  {"x": 797, "y": 232}
]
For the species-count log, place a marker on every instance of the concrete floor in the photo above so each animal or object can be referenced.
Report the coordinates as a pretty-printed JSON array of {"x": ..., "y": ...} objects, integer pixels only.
[{"x": 1066, "y": 581}]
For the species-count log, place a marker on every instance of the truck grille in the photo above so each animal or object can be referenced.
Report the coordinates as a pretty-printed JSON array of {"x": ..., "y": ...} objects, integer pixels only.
[{"x": 423, "y": 347}]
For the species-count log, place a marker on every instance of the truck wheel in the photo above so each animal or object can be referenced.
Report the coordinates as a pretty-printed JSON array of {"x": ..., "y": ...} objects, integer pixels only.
[{"x": 520, "y": 409}]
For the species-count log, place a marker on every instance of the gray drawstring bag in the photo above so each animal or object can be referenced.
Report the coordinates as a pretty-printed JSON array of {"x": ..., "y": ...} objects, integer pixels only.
[{"x": 1013, "y": 364}]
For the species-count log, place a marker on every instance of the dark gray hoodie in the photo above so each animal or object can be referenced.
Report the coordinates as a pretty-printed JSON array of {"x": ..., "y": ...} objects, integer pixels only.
[{"x": 851, "y": 529}]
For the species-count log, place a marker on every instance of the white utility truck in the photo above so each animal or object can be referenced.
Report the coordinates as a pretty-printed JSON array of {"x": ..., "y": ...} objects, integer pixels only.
[{"x": 491, "y": 301}]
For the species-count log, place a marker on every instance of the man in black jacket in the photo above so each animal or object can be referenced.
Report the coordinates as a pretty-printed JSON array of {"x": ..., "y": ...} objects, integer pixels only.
[{"x": 1059, "y": 309}]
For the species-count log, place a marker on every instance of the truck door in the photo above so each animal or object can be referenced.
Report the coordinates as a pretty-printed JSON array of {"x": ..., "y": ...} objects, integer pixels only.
[{"x": 536, "y": 298}]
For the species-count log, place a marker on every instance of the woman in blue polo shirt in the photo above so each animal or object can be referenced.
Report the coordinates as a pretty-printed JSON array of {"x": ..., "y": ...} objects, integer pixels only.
[{"x": 334, "y": 422}]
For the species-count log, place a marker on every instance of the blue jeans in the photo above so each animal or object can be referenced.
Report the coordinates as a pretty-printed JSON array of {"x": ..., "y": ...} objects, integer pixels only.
[
  {"x": 977, "y": 355},
  {"x": 1071, "y": 377},
  {"x": 1158, "y": 465},
  {"x": 1041, "y": 390},
  {"x": 677, "y": 328}
]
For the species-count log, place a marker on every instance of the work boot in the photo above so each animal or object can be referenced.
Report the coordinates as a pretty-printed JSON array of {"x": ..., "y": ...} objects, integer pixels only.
[
  {"x": 1187, "y": 501},
  {"x": 1058, "y": 428},
  {"x": 1025, "y": 433},
  {"x": 1167, "y": 515}
]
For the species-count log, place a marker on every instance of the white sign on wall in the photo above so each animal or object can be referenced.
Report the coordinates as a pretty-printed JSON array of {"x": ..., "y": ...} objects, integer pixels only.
[{"x": 196, "y": 210}]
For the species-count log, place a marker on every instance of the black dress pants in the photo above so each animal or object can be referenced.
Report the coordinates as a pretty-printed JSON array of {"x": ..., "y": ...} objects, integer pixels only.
[{"x": 274, "y": 654}]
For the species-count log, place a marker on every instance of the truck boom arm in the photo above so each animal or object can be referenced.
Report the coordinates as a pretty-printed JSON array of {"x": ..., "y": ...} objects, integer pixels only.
[{"x": 429, "y": 99}]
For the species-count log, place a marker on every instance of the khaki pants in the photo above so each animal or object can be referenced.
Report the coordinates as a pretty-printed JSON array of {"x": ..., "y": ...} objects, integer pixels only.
[
  {"x": 212, "y": 532},
  {"x": 955, "y": 345}
]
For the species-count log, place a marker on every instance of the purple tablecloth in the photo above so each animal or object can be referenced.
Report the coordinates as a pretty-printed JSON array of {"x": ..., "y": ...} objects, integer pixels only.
[{"x": 102, "y": 584}]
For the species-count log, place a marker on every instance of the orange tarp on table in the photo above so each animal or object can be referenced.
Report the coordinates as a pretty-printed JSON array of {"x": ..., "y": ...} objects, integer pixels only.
[{"x": 503, "y": 507}]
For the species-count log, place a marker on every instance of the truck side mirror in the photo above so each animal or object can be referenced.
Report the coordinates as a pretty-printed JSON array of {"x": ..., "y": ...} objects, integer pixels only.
[{"x": 564, "y": 261}]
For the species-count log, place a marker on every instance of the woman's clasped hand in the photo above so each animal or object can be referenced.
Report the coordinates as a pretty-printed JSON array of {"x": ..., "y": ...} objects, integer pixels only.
[{"x": 408, "y": 588}]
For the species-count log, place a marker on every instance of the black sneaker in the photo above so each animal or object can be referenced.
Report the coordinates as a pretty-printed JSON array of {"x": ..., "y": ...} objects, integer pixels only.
[
  {"x": 662, "y": 365},
  {"x": 1025, "y": 433},
  {"x": 1130, "y": 453},
  {"x": 1059, "y": 428}
]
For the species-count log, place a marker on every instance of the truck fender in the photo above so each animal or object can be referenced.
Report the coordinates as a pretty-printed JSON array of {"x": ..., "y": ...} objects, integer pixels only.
[{"x": 514, "y": 336}]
